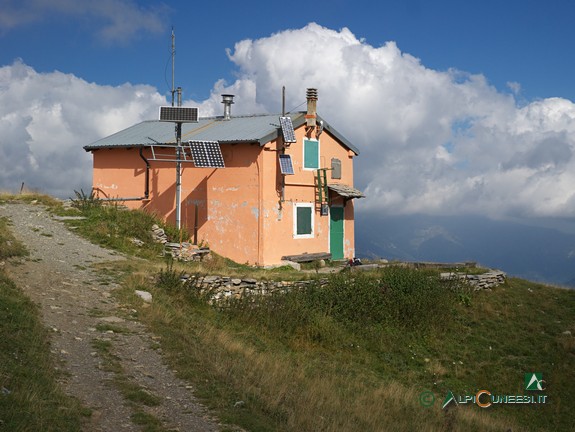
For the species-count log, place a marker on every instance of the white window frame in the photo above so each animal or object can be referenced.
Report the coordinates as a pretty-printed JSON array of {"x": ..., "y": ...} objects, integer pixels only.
[
  {"x": 303, "y": 236},
  {"x": 318, "y": 155}
]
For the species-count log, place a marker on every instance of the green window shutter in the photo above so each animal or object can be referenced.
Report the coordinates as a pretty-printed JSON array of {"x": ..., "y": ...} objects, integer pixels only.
[
  {"x": 304, "y": 221},
  {"x": 311, "y": 154}
]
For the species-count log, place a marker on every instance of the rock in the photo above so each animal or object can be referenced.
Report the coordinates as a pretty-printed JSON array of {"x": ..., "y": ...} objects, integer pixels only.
[
  {"x": 137, "y": 242},
  {"x": 566, "y": 333},
  {"x": 250, "y": 281},
  {"x": 211, "y": 279},
  {"x": 294, "y": 265},
  {"x": 236, "y": 281},
  {"x": 144, "y": 295},
  {"x": 113, "y": 319}
]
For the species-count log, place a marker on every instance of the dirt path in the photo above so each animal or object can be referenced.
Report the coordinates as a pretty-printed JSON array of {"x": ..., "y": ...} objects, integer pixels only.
[{"x": 76, "y": 304}]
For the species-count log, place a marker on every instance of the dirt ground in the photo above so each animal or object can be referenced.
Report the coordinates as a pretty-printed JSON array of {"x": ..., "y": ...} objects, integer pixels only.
[{"x": 76, "y": 304}]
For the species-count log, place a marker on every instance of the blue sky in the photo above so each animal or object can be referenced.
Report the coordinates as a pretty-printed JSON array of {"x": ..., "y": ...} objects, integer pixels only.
[
  {"x": 523, "y": 41},
  {"x": 458, "y": 107}
]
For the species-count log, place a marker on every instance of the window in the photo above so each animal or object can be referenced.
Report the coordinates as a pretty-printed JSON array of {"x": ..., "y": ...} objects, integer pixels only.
[
  {"x": 310, "y": 154},
  {"x": 303, "y": 220}
]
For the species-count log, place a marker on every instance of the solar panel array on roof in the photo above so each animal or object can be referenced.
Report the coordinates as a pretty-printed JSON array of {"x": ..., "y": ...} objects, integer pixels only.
[
  {"x": 287, "y": 130},
  {"x": 286, "y": 165},
  {"x": 179, "y": 114},
  {"x": 207, "y": 154}
]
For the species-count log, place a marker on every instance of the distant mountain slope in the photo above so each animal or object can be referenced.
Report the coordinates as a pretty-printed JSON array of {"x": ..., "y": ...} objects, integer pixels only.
[{"x": 539, "y": 254}]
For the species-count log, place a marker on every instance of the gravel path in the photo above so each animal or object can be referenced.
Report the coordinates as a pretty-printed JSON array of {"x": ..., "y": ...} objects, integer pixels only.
[{"x": 57, "y": 276}]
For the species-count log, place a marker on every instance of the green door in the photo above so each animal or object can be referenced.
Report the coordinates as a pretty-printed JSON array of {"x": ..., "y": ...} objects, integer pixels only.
[{"x": 336, "y": 232}]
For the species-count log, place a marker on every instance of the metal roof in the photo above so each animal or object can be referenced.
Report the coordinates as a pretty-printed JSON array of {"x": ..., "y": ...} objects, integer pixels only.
[{"x": 238, "y": 129}]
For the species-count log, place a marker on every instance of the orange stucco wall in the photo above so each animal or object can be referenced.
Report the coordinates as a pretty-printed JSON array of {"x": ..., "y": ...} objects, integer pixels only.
[
  {"x": 241, "y": 214},
  {"x": 278, "y": 217}
]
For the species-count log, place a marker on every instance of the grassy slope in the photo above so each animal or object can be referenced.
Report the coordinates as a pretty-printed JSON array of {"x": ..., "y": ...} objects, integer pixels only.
[
  {"x": 341, "y": 377},
  {"x": 30, "y": 398},
  {"x": 291, "y": 371}
]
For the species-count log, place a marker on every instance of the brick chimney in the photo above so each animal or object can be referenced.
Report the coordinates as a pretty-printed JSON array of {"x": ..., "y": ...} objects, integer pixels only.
[{"x": 311, "y": 115}]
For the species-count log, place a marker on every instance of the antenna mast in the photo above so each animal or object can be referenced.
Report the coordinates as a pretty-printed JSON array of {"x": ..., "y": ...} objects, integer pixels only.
[{"x": 173, "y": 63}]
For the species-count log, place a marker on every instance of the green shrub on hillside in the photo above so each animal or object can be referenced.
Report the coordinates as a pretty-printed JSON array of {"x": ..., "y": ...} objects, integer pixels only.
[{"x": 394, "y": 298}]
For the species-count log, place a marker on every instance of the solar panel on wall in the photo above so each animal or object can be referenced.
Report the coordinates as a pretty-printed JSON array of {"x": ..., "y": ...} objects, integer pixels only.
[
  {"x": 287, "y": 130},
  {"x": 207, "y": 154},
  {"x": 286, "y": 165}
]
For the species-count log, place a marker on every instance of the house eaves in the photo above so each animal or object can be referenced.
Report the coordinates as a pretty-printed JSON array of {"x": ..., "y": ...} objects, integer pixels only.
[{"x": 256, "y": 129}]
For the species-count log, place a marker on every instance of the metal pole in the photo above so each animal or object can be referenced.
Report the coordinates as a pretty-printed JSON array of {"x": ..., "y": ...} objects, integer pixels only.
[
  {"x": 196, "y": 224},
  {"x": 179, "y": 167},
  {"x": 179, "y": 176},
  {"x": 173, "y": 63}
]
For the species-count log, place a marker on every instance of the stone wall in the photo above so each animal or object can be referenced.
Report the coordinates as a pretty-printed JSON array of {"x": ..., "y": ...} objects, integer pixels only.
[
  {"x": 487, "y": 280},
  {"x": 218, "y": 288}
]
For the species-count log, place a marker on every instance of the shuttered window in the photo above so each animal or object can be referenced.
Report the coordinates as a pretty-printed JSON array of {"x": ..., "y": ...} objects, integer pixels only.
[
  {"x": 310, "y": 154},
  {"x": 303, "y": 220}
]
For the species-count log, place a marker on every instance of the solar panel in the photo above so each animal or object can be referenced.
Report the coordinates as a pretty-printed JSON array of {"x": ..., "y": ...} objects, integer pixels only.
[
  {"x": 207, "y": 154},
  {"x": 286, "y": 166},
  {"x": 287, "y": 129},
  {"x": 179, "y": 114}
]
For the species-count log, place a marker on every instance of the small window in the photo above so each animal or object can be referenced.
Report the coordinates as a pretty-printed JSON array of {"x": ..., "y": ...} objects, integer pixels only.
[
  {"x": 303, "y": 220},
  {"x": 310, "y": 154}
]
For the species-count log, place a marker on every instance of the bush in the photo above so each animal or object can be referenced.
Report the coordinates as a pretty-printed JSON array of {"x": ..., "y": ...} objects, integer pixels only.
[
  {"x": 415, "y": 298},
  {"x": 85, "y": 202},
  {"x": 170, "y": 279},
  {"x": 351, "y": 302}
]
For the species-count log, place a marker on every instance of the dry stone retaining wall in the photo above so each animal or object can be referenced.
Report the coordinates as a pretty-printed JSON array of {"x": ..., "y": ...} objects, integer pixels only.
[
  {"x": 487, "y": 280},
  {"x": 218, "y": 288}
]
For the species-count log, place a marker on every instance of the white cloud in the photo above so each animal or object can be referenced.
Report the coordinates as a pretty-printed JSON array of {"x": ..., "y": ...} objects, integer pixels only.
[
  {"x": 119, "y": 20},
  {"x": 46, "y": 119},
  {"x": 515, "y": 87},
  {"x": 432, "y": 142},
  {"x": 439, "y": 142}
]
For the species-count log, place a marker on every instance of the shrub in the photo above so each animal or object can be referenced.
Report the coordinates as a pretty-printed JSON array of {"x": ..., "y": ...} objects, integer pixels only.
[
  {"x": 170, "y": 279},
  {"x": 351, "y": 302},
  {"x": 85, "y": 202},
  {"x": 415, "y": 298}
]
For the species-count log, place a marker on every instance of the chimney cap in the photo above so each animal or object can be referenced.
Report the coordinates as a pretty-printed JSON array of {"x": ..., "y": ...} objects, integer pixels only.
[
  {"x": 228, "y": 98},
  {"x": 311, "y": 93}
]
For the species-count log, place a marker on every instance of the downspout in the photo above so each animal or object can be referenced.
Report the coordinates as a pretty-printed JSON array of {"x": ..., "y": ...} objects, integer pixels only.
[
  {"x": 147, "y": 180},
  {"x": 146, "y": 186},
  {"x": 260, "y": 209}
]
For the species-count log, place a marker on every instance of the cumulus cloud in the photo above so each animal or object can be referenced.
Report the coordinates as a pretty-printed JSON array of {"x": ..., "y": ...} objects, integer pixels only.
[
  {"x": 119, "y": 19},
  {"x": 435, "y": 142},
  {"x": 439, "y": 142},
  {"x": 46, "y": 119}
]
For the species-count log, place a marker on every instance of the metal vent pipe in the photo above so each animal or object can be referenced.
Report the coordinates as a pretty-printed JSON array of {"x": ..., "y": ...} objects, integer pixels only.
[{"x": 227, "y": 100}]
